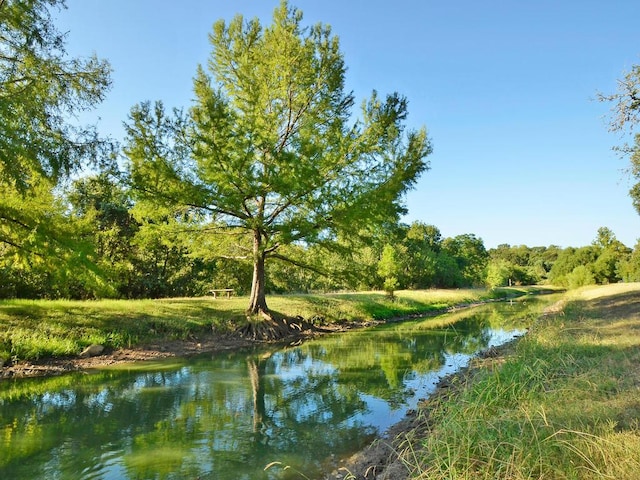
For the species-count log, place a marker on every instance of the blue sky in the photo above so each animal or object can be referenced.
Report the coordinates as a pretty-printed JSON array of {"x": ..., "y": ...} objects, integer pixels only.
[{"x": 506, "y": 89}]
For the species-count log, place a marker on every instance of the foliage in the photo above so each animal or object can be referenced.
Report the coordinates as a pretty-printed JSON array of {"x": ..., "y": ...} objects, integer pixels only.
[
  {"x": 41, "y": 89},
  {"x": 629, "y": 269},
  {"x": 599, "y": 263},
  {"x": 626, "y": 101},
  {"x": 266, "y": 153},
  {"x": 471, "y": 257},
  {"x": 42, "y": 254},
  {"x": 500, "y": 272},
  {"x": 524, "y": 265},
  {"x": 140, "y": 254},
  {"x": 389, "y": 268},
  {"x": 625, "y": 116},
  {"x": 579, "y": 277}
]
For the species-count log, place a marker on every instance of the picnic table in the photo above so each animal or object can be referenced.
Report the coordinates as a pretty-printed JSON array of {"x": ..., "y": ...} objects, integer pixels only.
[{"x": 226, "y": 291}]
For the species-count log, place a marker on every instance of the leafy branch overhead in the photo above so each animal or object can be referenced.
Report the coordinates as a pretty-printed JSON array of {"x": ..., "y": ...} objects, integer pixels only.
[
  {"x": 41, "y": 88},
  {"x": 271, "y": 145}
]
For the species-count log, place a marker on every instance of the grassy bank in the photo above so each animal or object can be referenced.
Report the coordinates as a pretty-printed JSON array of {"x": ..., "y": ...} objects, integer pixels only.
[
  {"x": 33, "y": 329},
  {"x": 564, "y": 404}
]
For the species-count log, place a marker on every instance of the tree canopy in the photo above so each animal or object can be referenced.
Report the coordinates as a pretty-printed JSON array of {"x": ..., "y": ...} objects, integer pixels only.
[
  {"x": 41, "y": 91},
  {"x": 271, "y": 154}
]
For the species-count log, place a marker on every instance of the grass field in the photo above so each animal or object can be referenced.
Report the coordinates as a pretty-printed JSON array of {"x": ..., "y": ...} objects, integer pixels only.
[
  {"x": 565, "y": 404},
  {"x": 34, "y": 329}
]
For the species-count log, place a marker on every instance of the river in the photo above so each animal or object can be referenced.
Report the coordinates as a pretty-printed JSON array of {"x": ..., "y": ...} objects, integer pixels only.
[{"x": 268, "y": 413}]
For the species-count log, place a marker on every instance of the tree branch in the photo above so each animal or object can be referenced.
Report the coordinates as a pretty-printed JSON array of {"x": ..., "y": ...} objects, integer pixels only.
[{"x": 300, "y": 264}]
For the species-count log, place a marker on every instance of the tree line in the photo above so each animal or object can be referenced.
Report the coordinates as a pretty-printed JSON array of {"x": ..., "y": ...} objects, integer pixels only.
[
  {"x": 116, "y": 249},
  {"x": 270, "y": 181}
]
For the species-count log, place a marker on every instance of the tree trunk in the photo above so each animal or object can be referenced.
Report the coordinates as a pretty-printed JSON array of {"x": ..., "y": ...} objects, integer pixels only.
[{"x": 258, "y": 301}]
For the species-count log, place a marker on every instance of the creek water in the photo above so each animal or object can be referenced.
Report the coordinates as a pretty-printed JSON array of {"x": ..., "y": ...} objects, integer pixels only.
[{"x": 294, "y": 409}]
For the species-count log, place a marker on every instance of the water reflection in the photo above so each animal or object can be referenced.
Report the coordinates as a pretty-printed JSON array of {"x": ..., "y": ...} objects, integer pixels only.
[{"x": 228, "y": 416}]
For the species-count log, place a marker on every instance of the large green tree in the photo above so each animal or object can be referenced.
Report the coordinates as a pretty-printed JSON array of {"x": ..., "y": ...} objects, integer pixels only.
[
  {"x": 41, "y": 90},
  {"x": 271, "y": 152}
]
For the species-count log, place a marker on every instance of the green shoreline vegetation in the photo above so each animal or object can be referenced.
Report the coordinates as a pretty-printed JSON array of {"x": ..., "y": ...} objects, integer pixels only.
[
  {"x": 563, "y": 404},
  {"x": 36, "y": 329}
]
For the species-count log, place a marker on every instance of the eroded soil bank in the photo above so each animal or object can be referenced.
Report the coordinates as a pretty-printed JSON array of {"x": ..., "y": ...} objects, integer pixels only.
[
  {"x": 210, "y": 343},
  {"x": 157, "y": 350}
]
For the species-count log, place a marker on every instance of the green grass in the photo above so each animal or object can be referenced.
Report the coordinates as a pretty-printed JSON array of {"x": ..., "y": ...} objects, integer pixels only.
[
  {"x": 34, "y": 329},
  {"x": 564, "y": 404}
]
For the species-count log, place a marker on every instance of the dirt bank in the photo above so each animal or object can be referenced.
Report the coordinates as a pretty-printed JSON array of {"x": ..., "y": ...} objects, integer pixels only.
[
  {"x": 152, "y": 351},
  {"x": 182, "y": 348}
]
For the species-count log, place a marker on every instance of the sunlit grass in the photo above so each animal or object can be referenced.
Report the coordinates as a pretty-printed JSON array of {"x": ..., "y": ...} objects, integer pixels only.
[
  {"x": 563, "y": 406},
  {"x": 33, "y": 329}
]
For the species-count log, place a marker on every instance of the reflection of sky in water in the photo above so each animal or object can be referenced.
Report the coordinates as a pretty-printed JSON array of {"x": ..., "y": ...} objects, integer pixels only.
[{"x": 308, "y": 366}]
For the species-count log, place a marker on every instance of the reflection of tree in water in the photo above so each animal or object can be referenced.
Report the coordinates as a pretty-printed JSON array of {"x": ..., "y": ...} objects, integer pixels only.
[
  {"x": 303, "y": 410},
  {"x": 69, "y": 428}
]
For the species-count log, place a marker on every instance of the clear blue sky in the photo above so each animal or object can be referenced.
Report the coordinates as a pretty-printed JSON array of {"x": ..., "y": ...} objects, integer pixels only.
[{"x": 506, "y": 90}]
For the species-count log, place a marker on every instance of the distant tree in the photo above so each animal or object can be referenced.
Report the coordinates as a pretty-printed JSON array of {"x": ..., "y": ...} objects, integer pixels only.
[
  {"x": 526, "y": 265},
  {"x": 569, "y": 259},
  {"x": 541, "y": 260},
  {"x": 605, "y": 238},
  {"x": 470, "y": 255},
  {"x": 104, "y": 207},
  {"x": 390, "y": 268},
  {"x": 611, "y": 254},
  {"x": 502, "y": 273},
  {"x": 428, "y": 236},
  {"x": 499, "y": 272},
  {"x": 448, "y": 273},
  {"x": 268, "y": 154},
  {"x": 605, "y": 261},
  {"x": 629, "y": 269},
  {"x": 422, "y": 243},
  {"x": 579, "y": 277}
]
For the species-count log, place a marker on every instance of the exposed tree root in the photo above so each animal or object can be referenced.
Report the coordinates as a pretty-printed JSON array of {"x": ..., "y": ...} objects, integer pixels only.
[{"x": 269, "y": 327}]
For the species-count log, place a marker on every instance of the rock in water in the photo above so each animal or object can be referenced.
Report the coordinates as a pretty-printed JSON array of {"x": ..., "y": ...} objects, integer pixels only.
[{"x": 92, "y": 351}]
